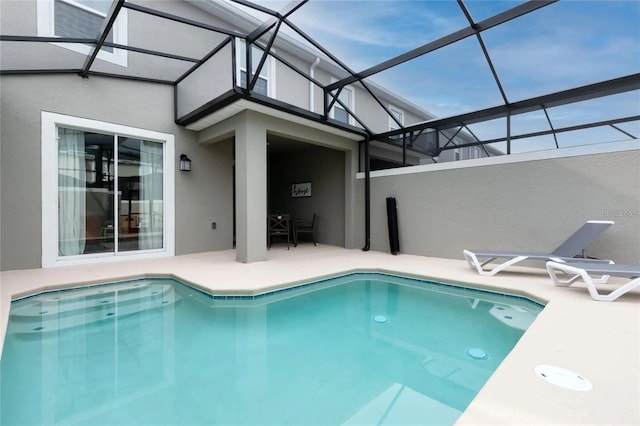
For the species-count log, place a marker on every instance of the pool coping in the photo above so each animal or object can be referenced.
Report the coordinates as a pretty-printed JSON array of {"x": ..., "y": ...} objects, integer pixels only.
[
  {"x": 597, "y": 339},
  {"x": 284, "y": 287}
]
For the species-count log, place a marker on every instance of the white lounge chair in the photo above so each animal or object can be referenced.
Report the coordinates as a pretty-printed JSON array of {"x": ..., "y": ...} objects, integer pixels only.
[
  {"x": 585, "y": 270},
  {"x": 573, "y": 246}
]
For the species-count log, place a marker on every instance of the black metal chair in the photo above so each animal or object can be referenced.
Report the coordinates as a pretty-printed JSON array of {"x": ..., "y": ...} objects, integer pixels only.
[
  {"x": 279, "y": 227},
  {"x": 302, "y": 227}
]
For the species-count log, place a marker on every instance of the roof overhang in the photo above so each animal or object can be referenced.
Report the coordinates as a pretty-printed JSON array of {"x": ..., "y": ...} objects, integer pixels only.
[{"x": 232, "y": 103}]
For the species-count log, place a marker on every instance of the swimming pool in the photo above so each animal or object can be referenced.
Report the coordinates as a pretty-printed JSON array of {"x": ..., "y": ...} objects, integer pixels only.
[{"x": 358, "y": 349}]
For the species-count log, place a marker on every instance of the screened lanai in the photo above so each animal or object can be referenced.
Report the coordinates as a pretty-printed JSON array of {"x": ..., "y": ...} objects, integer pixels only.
[
  {"x": 516, "y": 76},
  {"x": 432, "y": 78},
  {"x": 503, "y": 76}
]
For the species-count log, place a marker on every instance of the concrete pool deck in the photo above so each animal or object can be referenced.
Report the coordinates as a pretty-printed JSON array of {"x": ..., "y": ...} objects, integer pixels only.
[{"x": 599, "y": 340}]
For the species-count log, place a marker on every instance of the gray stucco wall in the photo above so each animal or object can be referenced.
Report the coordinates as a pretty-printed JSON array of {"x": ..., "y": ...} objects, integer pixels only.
[
  {"x": 205, "y": 83},
  {"x": 383, "y": 151},
  {"x": 322, "y": 167},
  {"x": 19, "y": 17},
  {"x": 291, "y": 87},
  {"x": 325, "y": 78},
  {"x": 531, "y": 206},
  {"x": 347, "y": 148},
  {"x": 202, "y": 196}
]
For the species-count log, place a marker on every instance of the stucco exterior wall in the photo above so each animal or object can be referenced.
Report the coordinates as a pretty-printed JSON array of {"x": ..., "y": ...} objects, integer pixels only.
[
  {"x": 526, "y": 206},
  {"x": 205, "y": 83},
  {"x": 202, "y": 196},
  {"x": 346, "y": 148},
  {"x": 291, "y": 87},
  {"x": 376, "y": 117},
  {"x": 393, "y": 154},
  {"x": 325, "y": 78},
  {"x": 19, "y": 17}
]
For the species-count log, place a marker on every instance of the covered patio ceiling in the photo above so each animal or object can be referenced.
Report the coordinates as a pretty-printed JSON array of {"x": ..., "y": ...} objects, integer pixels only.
[{"x": 476, "y": 45}]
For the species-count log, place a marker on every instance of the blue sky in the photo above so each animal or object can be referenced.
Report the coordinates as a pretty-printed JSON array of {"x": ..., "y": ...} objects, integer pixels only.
[{"x": 561, "y": 46}]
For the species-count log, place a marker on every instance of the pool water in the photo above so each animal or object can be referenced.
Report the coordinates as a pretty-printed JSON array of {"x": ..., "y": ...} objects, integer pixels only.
[{"x": 359, "y": 349}]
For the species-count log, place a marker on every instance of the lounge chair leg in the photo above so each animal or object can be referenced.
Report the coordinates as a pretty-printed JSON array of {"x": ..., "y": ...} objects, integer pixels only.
[
  {"x": 474, "y": 263},
  {"x": 555, "y": 268}
]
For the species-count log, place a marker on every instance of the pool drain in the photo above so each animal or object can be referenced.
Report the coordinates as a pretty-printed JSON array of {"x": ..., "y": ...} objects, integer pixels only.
[
  {"x": 380, "y": 318},
  {"x": 477, "y": 353},
  {"x": 564, "y": 378}
]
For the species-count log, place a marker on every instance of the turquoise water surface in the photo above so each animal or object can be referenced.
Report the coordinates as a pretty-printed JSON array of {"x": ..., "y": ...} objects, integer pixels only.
[{"x": 359, "y": 349}]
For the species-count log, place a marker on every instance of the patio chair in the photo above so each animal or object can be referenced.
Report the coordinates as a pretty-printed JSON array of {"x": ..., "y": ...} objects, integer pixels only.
[
  {"x": 302, "y": 227},
  {"x": 574, "y": 246},
  {"x": 585, "y": 270},
  {"x": 279, "y": 227}
]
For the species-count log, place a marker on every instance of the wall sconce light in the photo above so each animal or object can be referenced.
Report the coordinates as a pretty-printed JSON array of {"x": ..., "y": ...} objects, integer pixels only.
[{"x": 185, "y": 163}]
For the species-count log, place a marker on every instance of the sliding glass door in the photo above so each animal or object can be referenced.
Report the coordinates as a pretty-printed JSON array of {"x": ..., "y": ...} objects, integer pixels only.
[
  {"x": 140, "y": 205},
  {"x": 110, "y": 193}
]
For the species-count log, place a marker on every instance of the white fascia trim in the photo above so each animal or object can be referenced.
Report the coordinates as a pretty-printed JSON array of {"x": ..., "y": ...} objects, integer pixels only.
[
  {"x": 576, "y": 151},
  {"x": 45, "y": 28},
  {"x": 49, "y": 161}
]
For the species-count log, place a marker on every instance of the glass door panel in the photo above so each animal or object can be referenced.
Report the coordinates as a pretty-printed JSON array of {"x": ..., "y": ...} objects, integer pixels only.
[
  {"x": 140, "y": 204},
  {"x": 85, "y": 193}
]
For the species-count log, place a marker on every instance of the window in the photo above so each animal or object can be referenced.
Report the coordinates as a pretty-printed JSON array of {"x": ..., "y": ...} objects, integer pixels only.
[
  {"x": 338, "y": 112},
  {"x": 399, "y": 115},
  {"x": 457, "y": 155},
  {"x": 83, "y": 19},
  {"x": 265, "y": 85},
  {"x": 475, "y": 152},
  {"x": 107, "y": 191}
]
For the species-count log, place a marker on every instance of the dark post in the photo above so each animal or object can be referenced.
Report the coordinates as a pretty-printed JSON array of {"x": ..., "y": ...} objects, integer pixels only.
[
  {"x": 367, "y": 197},
  {"x": 404, "y": 149},
  {"x": 392, "y": 222}
]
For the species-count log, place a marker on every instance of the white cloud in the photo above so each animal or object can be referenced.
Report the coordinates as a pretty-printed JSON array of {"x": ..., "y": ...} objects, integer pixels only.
[
  {"x": 387, "y": 24},
  {"x": 538, "y": 66}
]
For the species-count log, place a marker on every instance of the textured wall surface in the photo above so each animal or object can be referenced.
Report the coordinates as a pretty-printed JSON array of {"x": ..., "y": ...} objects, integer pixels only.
[
  {"x": 531, "y": 205},
  {"x": 202, "y": 196}
]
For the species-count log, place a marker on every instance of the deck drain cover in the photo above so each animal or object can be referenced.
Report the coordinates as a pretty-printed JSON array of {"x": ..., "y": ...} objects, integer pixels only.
[
  {"x": 564, "y": 378},
  {"x": 380, "y": 318}
]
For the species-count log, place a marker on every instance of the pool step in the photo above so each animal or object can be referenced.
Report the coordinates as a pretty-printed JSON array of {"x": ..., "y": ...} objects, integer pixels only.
[{"x": 59, "y": 311}]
